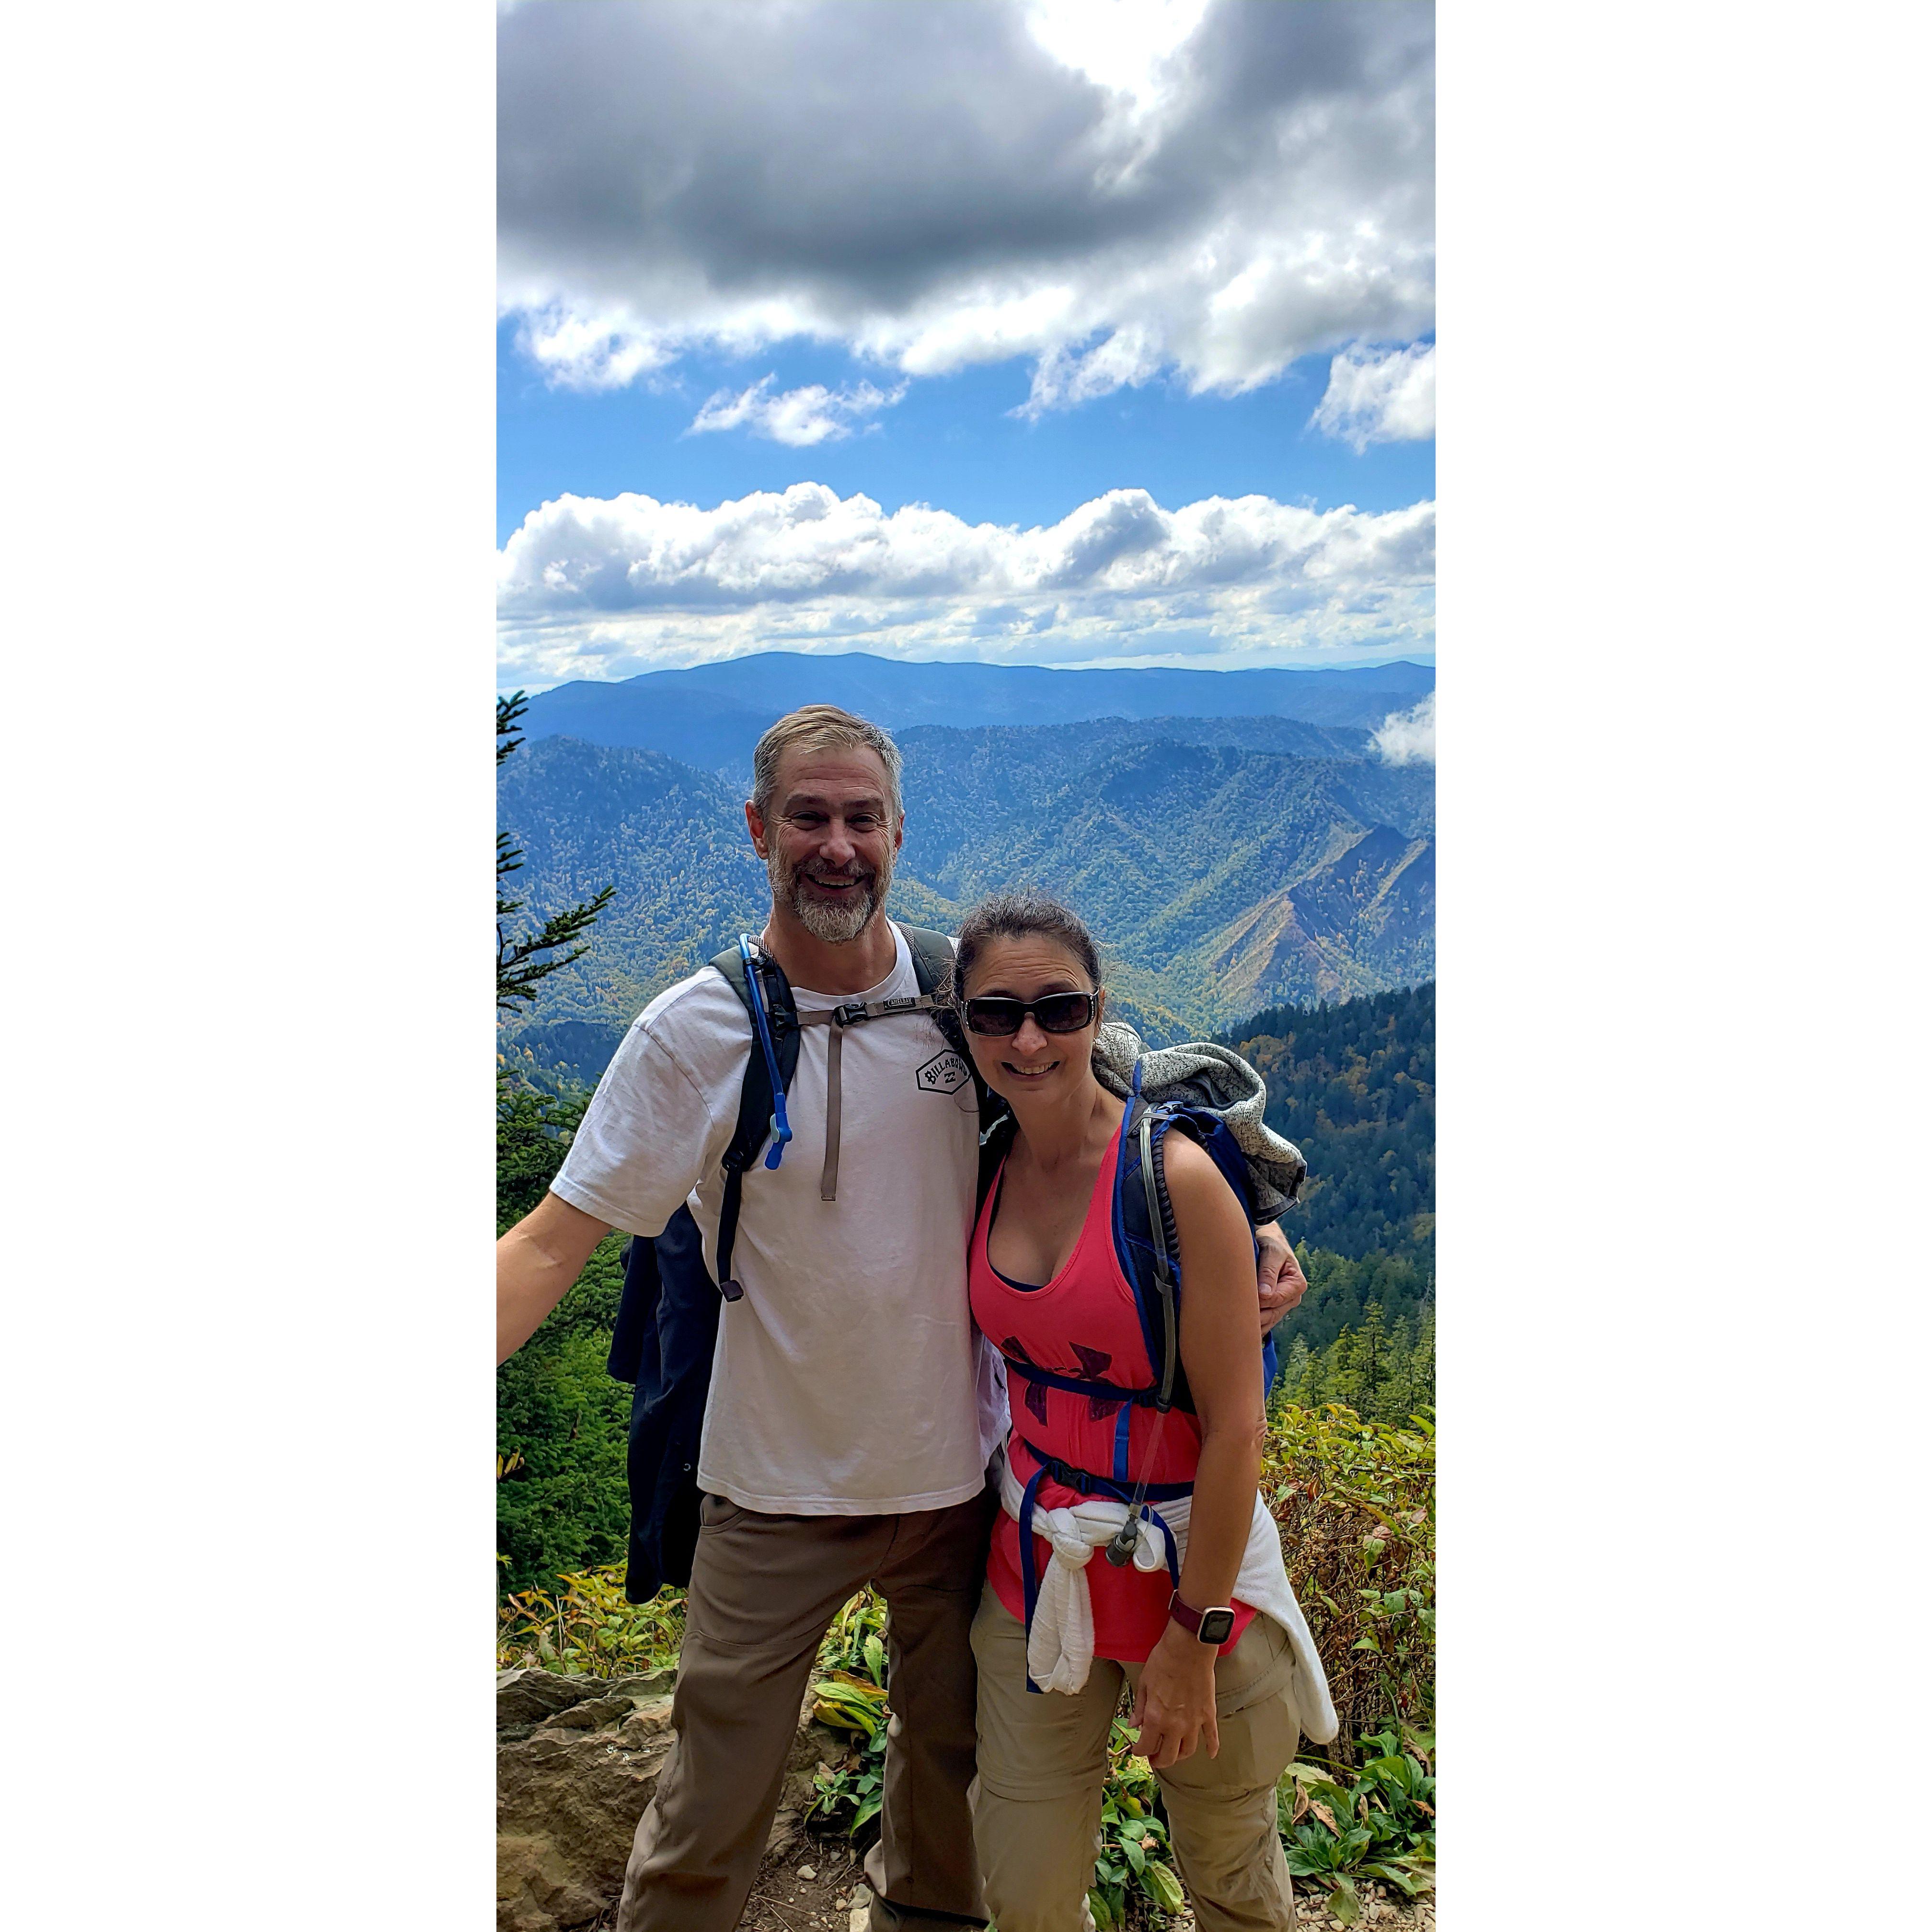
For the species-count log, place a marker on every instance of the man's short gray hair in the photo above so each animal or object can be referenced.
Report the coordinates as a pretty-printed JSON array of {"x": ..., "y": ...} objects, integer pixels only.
[{"x": 820, "y": 728}]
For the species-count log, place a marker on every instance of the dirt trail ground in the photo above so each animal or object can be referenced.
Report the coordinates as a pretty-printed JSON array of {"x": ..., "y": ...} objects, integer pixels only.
[{"x": 810, "y": 1886}]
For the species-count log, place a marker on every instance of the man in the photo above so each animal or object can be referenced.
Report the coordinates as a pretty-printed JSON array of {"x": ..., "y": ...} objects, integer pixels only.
[{"x": 852, "y": 1411}]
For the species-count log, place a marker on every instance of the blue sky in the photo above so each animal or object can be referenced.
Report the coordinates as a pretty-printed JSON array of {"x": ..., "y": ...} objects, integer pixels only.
[
  {"x": 1042, "y": 331},
  {"x": 953, "y": 441}
]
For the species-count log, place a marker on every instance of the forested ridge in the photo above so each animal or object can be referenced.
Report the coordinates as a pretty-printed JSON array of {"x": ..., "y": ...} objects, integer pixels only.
[
  {"x": 1354, "y": 1086},
  {"x": 1221, "y": 863}
]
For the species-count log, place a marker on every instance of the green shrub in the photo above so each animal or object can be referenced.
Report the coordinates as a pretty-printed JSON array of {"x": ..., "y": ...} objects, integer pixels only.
[
  {"x": 586, "y": 1628},
  {"x": 1356, "y": 1502},
  {"x": 563, "y": 1509}
]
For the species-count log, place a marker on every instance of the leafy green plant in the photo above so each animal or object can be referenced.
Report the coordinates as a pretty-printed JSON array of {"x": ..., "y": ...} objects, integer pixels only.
[
  {"x": 850, "y": 1697},
  {"x": 1382, "y": 1826},
  {"x": 587, "y": 1627},
  {"x": 1394, "y": 1796},
  {"x": 1313, "y": 1852},
  {"x": 1134, "y": 1850},
  {"x": 856, "y": 1641}
]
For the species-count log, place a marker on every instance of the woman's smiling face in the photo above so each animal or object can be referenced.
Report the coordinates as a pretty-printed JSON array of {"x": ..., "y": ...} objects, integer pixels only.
[{"x": 1032, "y": 1062}]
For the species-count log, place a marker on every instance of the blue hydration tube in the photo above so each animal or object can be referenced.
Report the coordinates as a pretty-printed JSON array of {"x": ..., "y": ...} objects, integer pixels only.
[{"x": 781, "y": 1126}]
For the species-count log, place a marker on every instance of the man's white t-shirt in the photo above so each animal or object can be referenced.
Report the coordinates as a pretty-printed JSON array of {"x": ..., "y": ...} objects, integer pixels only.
[{"x": 848, "y": 1381}]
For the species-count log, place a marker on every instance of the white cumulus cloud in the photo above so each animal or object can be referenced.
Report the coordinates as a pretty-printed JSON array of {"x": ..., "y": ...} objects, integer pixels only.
[
  {"x": 1385, "y": 397},
  {"x": 602, "y": 586},
  {"x": 1199, "y": 190},
  {"x": 1409, "y": 737},
  {"x": 798, "y": 417},
  {"x": 578, "y": 351}
]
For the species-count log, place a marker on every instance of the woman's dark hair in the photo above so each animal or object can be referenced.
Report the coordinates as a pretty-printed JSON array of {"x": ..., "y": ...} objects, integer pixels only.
[{"x": 1020, "y": 915}]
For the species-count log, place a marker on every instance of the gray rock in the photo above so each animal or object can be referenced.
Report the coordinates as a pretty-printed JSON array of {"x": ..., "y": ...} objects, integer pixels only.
[
  {"x": 529, "y": 1696},
  {"x": 527, "y": 1699},
  {"x": 568, "y": 1803},
  {"x": 646, "y": 1720},
  {"x": 654, "y": 1684},
  {"x": 573, "y": 1779},
  {"x": 592, "y": 1714}
]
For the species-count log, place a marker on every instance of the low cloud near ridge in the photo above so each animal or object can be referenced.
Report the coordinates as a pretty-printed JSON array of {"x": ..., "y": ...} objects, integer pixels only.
[
  {"x": 1409, "y": 737},
  {"x": 605, "y": 587},
  {"x": 1202, "y": 192}
]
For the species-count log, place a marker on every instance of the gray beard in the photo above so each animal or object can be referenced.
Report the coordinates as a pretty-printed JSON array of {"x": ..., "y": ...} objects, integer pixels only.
[{"x": 830, "y": 924}]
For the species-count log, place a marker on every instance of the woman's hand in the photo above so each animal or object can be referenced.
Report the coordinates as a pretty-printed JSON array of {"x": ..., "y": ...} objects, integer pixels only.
[{"x": 1174, "y": 1706}]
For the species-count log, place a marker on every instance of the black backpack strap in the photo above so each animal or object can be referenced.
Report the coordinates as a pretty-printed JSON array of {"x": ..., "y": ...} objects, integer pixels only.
[
  {"x": 994, "y": 1140},
  {"x": 932, "y": 956},
  {"x": 756, "y": 1100},
  {"x": 1165, "y": 1243},
  {"x": 932, "y": 967}
]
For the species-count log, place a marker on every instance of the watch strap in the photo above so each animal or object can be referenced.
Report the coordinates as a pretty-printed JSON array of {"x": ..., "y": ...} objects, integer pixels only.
[{"x": 1191, "y": 1621}]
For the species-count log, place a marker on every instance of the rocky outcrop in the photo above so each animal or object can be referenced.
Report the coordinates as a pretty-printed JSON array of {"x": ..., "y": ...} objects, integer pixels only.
[{"x": 578, "y": 1759}]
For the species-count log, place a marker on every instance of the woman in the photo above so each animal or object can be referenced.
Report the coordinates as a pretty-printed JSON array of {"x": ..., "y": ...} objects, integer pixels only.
[{"x": 1216, "y": 1719}]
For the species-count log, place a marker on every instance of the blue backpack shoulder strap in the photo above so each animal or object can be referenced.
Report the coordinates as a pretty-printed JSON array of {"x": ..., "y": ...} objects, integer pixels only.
[{"x": 1143, "y": 1219}]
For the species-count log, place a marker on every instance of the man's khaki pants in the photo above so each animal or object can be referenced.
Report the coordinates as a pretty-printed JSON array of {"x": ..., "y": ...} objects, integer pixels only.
[
  {"x": 1043, "y": 1760},
  {"x": 763, "y": 1591}
]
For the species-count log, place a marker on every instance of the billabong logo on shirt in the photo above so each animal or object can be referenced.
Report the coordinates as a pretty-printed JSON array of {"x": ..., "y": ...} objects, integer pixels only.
[{"x": 944, "y": 1073}]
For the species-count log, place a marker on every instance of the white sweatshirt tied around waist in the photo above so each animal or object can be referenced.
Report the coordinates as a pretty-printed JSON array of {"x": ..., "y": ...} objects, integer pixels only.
[{"x": 1060, "y": 1644}]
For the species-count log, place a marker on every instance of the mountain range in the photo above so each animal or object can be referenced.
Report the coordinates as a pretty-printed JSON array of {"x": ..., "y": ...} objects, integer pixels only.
[
  {"x": 1225, "y": 862},
  {"x": 711, "y": 716}
]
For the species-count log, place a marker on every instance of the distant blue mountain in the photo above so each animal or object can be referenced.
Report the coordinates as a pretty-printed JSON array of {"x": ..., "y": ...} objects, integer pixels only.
[{"x": 712, "y": 715}]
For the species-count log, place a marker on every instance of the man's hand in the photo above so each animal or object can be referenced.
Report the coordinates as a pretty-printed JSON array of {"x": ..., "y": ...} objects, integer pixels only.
[{"x": 1282, "y": 1284}]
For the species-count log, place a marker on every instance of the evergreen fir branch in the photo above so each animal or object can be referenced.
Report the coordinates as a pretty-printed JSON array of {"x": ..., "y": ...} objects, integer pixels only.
[
  {"x": 518, "y": 968},
  {"x": 509, "y": 734},
  {"x": 519, "y": 965}
]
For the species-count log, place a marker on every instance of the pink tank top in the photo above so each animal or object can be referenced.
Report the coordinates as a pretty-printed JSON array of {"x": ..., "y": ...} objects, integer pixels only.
[{"x": 1084, "y": 1323}]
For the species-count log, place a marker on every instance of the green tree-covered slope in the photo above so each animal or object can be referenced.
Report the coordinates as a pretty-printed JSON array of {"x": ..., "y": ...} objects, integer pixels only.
[
  {"x": 1354, "y": 1086},
  {"x": 1218, "y": 877}
]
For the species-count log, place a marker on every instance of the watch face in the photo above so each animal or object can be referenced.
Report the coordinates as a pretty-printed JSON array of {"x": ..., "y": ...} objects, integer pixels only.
[{"x": 1216, "y": 1626}]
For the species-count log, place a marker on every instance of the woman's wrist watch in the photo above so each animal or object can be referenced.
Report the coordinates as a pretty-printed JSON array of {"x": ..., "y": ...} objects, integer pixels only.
[{"x": 1215, "y": 1626}]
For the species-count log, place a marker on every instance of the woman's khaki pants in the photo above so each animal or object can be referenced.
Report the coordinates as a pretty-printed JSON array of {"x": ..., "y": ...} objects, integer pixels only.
[{"x": 1043, "y": 1758}]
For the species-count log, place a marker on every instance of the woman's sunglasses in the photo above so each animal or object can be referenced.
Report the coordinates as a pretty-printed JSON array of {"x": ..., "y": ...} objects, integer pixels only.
[{"x": 1057, "y": 1012}]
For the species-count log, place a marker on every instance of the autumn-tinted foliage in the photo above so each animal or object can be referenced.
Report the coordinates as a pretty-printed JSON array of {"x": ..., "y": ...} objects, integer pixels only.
[{"x": 1356, "y": 1502}]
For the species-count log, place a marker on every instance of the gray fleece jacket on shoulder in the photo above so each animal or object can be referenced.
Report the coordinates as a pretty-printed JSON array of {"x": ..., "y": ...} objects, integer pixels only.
[{"x": 1203, "y": 1074}]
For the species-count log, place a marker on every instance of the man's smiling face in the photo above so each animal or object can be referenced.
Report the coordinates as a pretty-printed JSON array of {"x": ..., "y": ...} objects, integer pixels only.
[{"x": 829, "y": 841}]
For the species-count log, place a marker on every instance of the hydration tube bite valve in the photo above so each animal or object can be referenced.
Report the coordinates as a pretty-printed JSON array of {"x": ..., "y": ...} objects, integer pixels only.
[{"x": 781, "y": 1125}]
